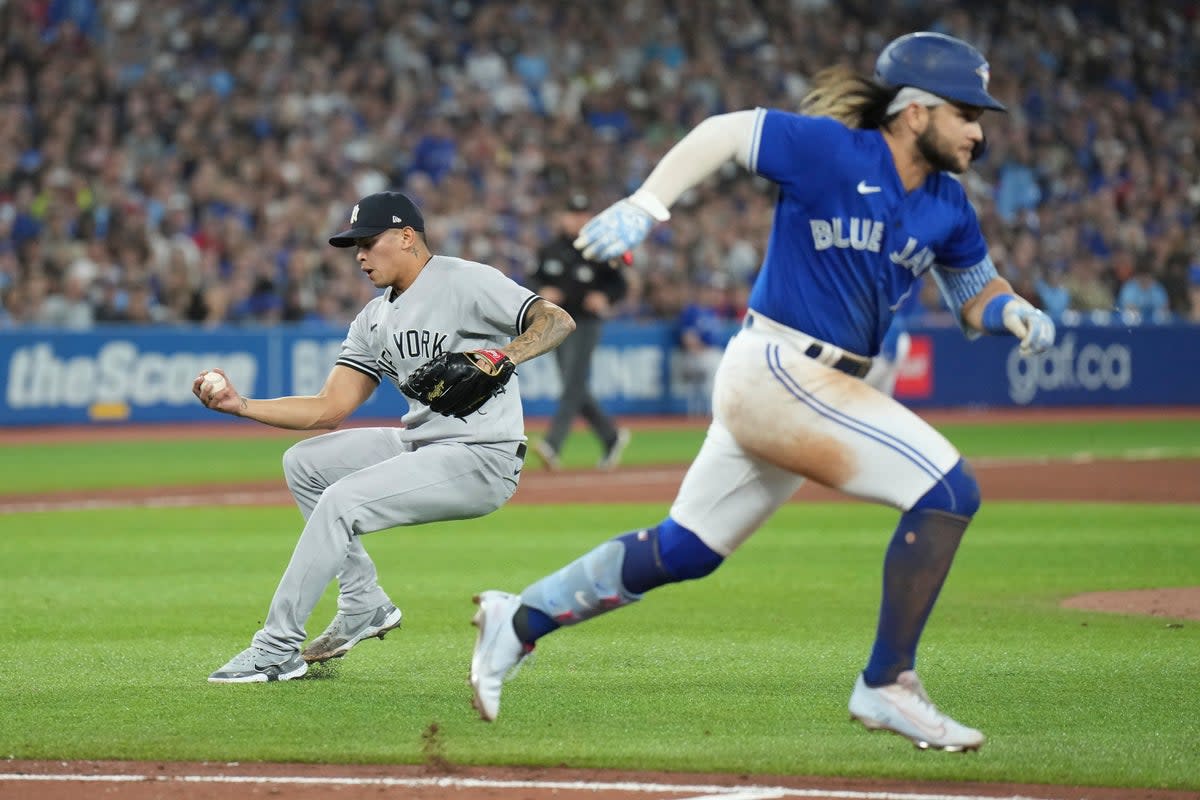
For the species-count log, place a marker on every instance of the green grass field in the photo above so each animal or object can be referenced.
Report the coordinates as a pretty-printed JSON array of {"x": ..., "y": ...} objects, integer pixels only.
[
  {"x": 235, "y": 457},
  {"x": 113, "y": 620}
]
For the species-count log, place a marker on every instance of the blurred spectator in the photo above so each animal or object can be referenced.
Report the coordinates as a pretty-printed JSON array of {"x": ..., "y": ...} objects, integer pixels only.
[
  {"x": 1176, "y": 279},
  {"x": 1084, "y": 280},
  {"x": 1054, "y": 297},
  {"x": 702, "y": 335},
  {"x": 141, "y": 308},
  {"x": 1143, "y": 294},
  {"x": 1017, "y": 187},
  {"x": 70, "y": 307},
  {"x": 1194, "y": 291},
  {"x": 110, "y": 301},
  {"x": 140, "y": 147}
]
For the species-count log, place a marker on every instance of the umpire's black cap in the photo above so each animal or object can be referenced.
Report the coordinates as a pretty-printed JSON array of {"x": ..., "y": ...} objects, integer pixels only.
[{"x": 375, "y": 213}]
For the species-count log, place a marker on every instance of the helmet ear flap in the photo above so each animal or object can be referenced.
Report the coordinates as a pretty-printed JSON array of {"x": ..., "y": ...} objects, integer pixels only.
[{"x": 980, "y": 148}]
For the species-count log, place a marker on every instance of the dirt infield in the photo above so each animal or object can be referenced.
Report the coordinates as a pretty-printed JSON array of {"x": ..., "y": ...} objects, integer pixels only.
[
  {"x": 1151, "y": 481},
  {"x": 1081, "y": 480},
  {"x": 155, "y": 780}
]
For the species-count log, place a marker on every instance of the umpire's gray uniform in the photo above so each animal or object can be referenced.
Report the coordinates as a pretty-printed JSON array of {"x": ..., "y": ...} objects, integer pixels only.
[{"x": 348, "y": 483}]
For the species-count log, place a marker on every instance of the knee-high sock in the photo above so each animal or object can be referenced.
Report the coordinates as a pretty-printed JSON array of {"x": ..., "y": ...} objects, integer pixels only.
[
  {"x": 612, "y": 575},
  {"x": 914, "y": 569}
]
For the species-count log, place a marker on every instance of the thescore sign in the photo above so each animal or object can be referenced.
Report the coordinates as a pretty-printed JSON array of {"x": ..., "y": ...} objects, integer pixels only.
[
  {"x": 120, "y": 372},
  {"x": 136, "y": 373}
]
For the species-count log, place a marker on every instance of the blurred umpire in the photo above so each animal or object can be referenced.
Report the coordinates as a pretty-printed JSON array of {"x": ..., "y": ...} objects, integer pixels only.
[{"x": 588, "y": 291}]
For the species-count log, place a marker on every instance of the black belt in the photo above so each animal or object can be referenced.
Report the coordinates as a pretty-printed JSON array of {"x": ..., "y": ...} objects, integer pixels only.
[
  {"x": 849, "y": 363},
  {"x": 521, "y": 451}
]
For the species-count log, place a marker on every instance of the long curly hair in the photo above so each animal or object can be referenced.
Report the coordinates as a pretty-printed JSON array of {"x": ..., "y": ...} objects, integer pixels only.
[{"x": 852, "y": 99}]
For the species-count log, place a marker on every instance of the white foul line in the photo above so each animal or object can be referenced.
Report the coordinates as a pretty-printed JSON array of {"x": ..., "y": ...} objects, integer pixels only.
[
  {"x": 752, "y": 794},
  {"x": 706, "y": 792}
]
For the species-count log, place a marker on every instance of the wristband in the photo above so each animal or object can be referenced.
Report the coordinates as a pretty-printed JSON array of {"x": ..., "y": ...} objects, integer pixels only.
[
  {"x": 993, "y": 314},
  {"x": 646, "y": 201},
  {"x": 494, "y": 356}
]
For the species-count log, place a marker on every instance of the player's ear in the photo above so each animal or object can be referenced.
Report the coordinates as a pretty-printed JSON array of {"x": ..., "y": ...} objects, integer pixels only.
[
  {"x": 921, "y": 116},
  {"x": 910, "y": 117}
]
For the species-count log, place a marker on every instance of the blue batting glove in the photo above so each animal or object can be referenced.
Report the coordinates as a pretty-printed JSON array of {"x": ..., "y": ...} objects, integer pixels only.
[
  {"x": 1032, "y": 326},
  {"x": 614, "y": 231}
]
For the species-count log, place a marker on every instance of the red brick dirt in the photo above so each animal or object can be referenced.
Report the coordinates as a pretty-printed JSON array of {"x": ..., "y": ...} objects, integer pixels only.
[{"x": 1176, "y": 481}]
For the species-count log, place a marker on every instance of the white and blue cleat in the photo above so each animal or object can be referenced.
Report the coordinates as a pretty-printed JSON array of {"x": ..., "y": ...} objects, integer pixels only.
[{"x": 904, "y": 708}]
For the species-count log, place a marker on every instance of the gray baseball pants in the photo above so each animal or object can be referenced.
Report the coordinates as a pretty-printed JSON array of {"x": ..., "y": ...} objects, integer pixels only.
[
  {"x": 574, "y": 356},
  {"x": 352, "y": 482}
]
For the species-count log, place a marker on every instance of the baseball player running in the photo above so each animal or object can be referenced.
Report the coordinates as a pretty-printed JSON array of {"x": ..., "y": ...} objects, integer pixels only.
[
  {"x": 445, "y": 463},
  {"x": 866, "y": 205}
]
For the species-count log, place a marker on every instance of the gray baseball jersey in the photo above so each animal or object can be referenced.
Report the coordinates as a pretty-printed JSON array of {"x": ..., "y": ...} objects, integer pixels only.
[
  {"x": 359, "y": 480},
  {"x": 452, "y": 306}
]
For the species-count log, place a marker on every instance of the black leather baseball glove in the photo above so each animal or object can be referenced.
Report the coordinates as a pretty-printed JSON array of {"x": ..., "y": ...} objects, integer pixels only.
[{"x": 457, "y": 384}]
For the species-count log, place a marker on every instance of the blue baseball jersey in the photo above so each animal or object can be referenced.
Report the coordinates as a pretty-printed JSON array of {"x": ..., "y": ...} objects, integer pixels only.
[{"x": 848, "y": 242}]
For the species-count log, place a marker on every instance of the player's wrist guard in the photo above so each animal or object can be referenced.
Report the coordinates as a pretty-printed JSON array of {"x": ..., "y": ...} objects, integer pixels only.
[
  {"x": 648, "y": 202},
  {"x": 993, "y": 314},
  {"x": 1008, "y": 313}
]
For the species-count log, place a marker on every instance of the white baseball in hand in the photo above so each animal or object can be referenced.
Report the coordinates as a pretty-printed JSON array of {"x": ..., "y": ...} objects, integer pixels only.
[{"x": 214, "y": 381}]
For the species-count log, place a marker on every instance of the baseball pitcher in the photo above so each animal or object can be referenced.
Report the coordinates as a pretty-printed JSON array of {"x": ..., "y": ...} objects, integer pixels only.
[{"x": 448, "y": 333}]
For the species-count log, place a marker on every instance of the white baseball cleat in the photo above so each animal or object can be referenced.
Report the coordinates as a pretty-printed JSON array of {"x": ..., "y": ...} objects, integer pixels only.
[
  {"x": 498, "y": 651},
  {"x": 903, "y": 707}
]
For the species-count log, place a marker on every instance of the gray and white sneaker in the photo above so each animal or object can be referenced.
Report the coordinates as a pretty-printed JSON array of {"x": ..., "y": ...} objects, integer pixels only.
[
  {"x": 903, "y": 707},
  {"x": 255, "y": 666},
  {"x": 547, "y": 454},
  {"x": 346, "y": 631},
  {"x": 498, "y": 651},
  {"x": 612, "y": 453}
]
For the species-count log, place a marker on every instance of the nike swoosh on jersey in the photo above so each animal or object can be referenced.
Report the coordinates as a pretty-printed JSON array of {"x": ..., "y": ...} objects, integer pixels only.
[{"x": 864, "y": 188}]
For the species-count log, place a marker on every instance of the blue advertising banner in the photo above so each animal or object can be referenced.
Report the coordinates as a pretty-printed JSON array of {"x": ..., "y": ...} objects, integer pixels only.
[
  {"x": 55, "y": 376},
  {"x": 145, "y": 373},
  {"x": 1089, "y": 365}
]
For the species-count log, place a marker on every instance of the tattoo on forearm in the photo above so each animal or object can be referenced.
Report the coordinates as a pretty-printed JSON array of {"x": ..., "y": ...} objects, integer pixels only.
[{"x": 548, "y": 326}]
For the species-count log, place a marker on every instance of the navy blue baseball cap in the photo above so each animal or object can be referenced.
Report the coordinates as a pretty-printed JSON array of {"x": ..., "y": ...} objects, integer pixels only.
[
  {"x": 939, "y": 64},
  {"x": 375, "y": 213}
]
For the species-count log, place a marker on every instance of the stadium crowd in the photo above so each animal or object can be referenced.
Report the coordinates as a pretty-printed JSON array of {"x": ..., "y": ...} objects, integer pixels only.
[{"x": 183, "y": 161}]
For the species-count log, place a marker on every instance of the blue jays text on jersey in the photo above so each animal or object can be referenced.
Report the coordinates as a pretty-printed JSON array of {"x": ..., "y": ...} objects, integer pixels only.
[
  {"x": 867, "y": 234},
  {"x": 848, "y": 241}
]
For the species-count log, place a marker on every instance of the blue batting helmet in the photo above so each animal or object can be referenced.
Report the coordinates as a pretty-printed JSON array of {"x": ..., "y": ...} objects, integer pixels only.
[{"x": 939, "y": 64}]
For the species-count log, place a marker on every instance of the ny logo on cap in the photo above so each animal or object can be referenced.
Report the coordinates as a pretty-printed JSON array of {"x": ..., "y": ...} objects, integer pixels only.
[{"x": 354, "y": 215}]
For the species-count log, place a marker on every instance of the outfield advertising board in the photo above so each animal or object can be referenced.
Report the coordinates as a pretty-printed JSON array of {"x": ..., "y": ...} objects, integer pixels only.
[
  {"x": 1087, "y": 366},
  {"x": 145, "y": 373}
]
